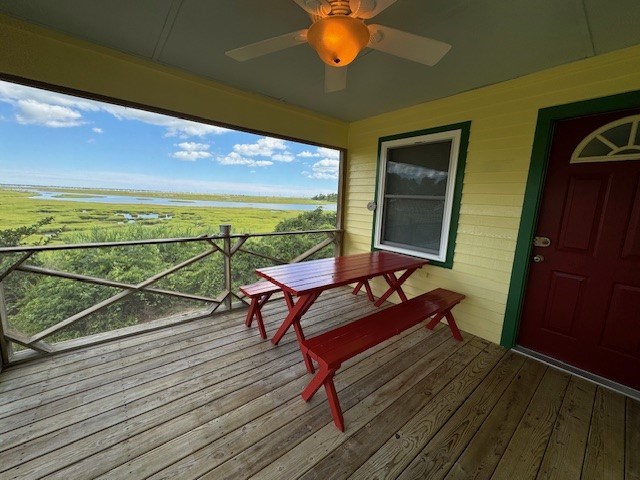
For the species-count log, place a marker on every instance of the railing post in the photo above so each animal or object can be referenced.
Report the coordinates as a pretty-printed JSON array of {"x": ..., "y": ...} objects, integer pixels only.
[
  {"x": 5, "y": 347},
  {"x": 338, "y": 237},
  {"x": 225, "y": 230}
]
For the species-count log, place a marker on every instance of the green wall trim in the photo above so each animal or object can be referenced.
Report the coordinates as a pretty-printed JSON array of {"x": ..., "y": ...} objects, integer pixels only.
[
  {"x": 465, "y": 129},
  {"x": 533, "y": 195}
]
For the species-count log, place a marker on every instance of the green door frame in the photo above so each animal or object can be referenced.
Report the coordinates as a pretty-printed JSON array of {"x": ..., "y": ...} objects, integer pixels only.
[{"x": 533, "y": 195}]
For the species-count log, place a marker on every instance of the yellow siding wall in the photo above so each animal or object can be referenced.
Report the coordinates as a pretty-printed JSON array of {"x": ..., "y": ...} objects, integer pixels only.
[
  {"x": 38, "y": 54},
  {"x": 503, "y": 119}
]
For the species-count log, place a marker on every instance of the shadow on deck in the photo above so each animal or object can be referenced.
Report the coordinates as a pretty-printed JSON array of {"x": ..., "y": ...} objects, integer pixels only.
[{"x": 210, "y": 398}]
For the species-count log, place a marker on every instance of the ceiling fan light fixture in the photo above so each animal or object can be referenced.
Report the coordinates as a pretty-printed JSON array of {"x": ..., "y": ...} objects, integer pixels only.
[{"x": 338, "y": 39}]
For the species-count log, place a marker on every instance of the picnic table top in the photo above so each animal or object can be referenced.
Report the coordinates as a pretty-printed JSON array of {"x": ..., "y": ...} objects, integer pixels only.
[{"x": 318, "y": 275}]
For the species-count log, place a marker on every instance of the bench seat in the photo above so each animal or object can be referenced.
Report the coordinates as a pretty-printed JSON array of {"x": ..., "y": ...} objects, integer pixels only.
[
  {"x": 259, "y": 293},
  {"x": 332, "y": 348}
]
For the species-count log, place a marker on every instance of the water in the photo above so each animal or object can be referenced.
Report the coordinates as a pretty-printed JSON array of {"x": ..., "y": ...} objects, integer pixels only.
[
  {"x": 142, "y": 216},
  {"x": 173, "y": 202}
]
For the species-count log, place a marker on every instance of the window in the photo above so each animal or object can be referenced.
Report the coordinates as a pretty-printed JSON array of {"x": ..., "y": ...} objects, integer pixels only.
[
  {"x": 418, "y": 193},
  {"x": 616, "y": 141}
]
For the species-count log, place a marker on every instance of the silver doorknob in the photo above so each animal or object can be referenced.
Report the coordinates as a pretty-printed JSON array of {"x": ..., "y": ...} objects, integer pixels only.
[{"x": 538, "y": 258}]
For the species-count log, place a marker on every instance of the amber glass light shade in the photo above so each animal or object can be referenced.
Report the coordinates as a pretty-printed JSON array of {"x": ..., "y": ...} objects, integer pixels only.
[{"x": 338, "y": 39}]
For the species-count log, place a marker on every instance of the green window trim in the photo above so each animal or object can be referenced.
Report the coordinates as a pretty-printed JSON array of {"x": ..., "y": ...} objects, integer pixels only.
[
  {"x": 533, "y": 195},
  {"x": 464, "y": 128}
]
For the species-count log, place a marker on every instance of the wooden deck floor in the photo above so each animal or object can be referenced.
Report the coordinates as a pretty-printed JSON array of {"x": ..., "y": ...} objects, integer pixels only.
[{"x": 210, "y": 399}]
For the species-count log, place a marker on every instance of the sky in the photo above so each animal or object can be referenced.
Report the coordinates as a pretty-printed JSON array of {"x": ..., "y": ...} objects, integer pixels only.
[{"x": 47, "y": 138}]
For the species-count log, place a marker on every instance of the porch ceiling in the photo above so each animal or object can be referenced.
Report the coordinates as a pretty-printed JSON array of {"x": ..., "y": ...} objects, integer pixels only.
[{"x": 493, "y": 41}]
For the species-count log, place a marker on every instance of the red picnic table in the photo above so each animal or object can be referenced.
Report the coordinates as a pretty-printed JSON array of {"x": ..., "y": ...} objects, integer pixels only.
[{"x": 307, "y": 280}]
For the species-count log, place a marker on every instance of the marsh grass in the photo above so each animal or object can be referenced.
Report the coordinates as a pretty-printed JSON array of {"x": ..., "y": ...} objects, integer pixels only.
[{"x": 18, "y": 210}]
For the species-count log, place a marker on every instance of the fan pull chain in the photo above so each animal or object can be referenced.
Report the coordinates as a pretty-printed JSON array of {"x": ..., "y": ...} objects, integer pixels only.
[{"x": 340, "y": 7}]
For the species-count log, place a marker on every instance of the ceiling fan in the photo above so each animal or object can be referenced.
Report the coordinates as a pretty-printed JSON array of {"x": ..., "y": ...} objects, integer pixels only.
[{"x": 338, "y": 34}]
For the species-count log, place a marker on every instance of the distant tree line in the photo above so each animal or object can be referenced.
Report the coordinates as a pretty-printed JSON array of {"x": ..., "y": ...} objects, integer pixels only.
[
  {"x": 36, "y": 302},
  {"x": 328, "y": 197}
]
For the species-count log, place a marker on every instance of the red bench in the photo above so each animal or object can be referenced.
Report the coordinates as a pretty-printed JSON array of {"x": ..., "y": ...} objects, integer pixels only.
[
  {"x": 332, "y": 348},
  {"x": 259, "y": 293}
]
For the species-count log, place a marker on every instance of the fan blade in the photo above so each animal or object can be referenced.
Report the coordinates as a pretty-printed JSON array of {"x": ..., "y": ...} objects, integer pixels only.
[
  {"x": 407, "y": 45},
  {"x": 315, "y": 7},
  {"x": 366, "y": 9},
  {"x": 335, "y": 78},
  {"x": 270, "y": 45}
]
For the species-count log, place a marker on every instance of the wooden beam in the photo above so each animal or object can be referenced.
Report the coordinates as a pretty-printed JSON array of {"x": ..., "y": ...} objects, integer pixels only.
[
  {"x": 119, "y": 296},
  {"x": 108, "y": 283}
]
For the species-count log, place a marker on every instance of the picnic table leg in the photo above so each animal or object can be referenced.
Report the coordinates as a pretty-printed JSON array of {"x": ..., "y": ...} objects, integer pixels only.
[
  {"x": 299, "y": 309},
  {"x": 367, "y": 287},
  {"x": 395, "y": 285}
]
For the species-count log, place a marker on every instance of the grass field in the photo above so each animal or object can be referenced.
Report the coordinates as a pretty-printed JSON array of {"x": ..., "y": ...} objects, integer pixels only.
[{"x": 18, "y": 210}]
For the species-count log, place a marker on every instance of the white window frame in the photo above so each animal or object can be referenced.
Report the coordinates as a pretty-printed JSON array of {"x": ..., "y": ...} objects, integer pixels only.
[{"x": 455, "y": 137}]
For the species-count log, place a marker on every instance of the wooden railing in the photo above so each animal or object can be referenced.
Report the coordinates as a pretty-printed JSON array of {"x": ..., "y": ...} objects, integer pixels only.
[{"x": 15, "y": 261}]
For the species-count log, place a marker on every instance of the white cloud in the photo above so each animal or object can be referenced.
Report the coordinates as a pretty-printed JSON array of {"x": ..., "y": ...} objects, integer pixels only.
[
  {"x": 328, "y": 153},
  {"x": 33, "y": 104},
  {"x": 12, "y": 93},
  {"x": 264, "y": 147},
  {"x": 236, "y": 159},
  {"x": 272, "y": 149},
  {"x": 32, "y": 112},
  {"x": 97, "y": 130},
  {"x": 325, "y": 169},
  {"x": 193, "y": 146},
  {"x": 280, "y": 157},
  {"x": 176, "y": 127},
  {"x": 191, "y": 151},
  {"x": 308, "y": 154},
  {"x": 190, "y": 156}
]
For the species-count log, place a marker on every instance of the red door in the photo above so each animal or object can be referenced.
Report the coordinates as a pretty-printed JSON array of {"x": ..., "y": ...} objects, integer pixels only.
[{"x": 582, "y": 303}]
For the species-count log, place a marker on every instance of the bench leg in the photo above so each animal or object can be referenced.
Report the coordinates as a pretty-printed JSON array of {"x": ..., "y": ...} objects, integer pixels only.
[
  {"x": 255, "y": 310},
  {"x": 263, "y": 332},
  {"x": 334, "y": 403},
  {"x": 325, "y": 377},
  {"x": 316, "y": 382},
  {"x": 450, "y": 321},
  {"x": 252, "y": 311},
  {"x": 452, "y": 325},
  {"x": 434, "y": 321}
]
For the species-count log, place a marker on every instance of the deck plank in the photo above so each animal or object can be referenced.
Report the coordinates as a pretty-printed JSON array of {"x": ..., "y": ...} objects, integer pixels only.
[
  {"x": 248, "y": 424},
  {"x": 605, "y": 447},
  {"x": 263, "y": 441},
  {"x": 566, "y": 448},
  {"x": 203, "y": 378},
  {"x": 388, "y": 426},
  {"x": 481, "y": 457},
  {"x": 632, "y": 440},
  {"x": 306, "y": 454},
  {"x": 526, "y": 448},
  {"x": 210, "y": 399},
  {"x": 437, "y": 457},
  {"x": 171, "y": 369}
]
